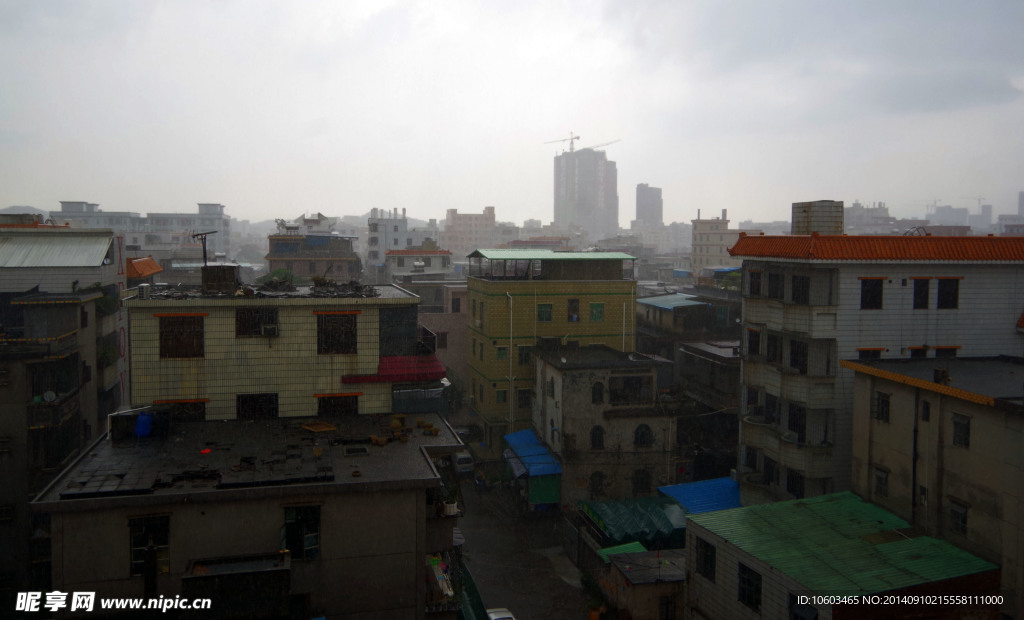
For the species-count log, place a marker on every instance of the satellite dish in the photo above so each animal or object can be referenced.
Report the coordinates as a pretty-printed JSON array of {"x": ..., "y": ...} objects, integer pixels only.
[{"x": 49, "y": 396}]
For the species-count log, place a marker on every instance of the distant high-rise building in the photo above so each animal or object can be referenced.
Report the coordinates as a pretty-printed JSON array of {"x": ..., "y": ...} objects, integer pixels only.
[
  {"x": 586, "y": 192},
  {"x": 648, "y": 205}
]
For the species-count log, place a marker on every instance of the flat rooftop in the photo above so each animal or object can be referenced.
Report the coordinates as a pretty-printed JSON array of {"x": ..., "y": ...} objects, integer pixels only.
[
  {"x": 159, "y": 292},
  {"x": 993, "y": 378},
  {"x": 204, "y": 457},
  {"x": 593, "y": 356}
]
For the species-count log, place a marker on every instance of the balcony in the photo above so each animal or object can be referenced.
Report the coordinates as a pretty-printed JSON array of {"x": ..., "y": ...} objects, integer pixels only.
[
  {"x": 754, "y": 489},
  {"x": 760, "y": 434},
  {"x": 14, "y": 344},
  {"x": 42, "y": 413},
  {"x": 813, "y": 460}
]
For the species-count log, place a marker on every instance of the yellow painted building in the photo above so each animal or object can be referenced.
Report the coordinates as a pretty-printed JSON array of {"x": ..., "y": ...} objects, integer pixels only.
[
  {"x": 522, "y": 299},
  {"x": 286, "y": 355}
]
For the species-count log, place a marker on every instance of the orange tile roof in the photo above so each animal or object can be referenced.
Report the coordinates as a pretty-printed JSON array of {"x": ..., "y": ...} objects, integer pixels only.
[
  {"x": 886, "y": 248},
  {"x": 142, "y": 267},
  {"x": 417, "y": 252}
]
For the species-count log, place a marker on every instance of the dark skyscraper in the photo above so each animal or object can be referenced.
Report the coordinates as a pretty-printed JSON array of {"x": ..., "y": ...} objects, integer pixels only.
[
  {"x": 648, "y": 205},
  {"x": 586, "y": 192}
]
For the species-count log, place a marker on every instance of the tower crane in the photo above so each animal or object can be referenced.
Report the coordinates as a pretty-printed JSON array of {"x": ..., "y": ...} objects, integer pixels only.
[
  {"x": 571, "y": 139},
  {"x": 597, "y": 146}
]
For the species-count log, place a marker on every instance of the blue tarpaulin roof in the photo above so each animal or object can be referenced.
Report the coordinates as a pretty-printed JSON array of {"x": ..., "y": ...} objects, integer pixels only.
[
  {"x": 705, "y": 495},
  {"x": 537, "y": 459}
]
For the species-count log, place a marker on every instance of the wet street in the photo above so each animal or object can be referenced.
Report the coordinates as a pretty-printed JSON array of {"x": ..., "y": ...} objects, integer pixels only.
[{"x": 517, "y": 561}]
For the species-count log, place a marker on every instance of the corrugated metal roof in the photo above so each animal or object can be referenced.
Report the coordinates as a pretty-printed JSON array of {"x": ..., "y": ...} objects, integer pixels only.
[
  {"x": 839, "y": 544},
  {"x": 53, "y": 250},
  {"x": 889, "y": 248},
  {"x": 705, "y": 495},
  {"x": 537, "y": 459},
  {"x": 667, "y": 302},
  {"x": 535, "y": 254},
  {"x": 630, "y": 547}
]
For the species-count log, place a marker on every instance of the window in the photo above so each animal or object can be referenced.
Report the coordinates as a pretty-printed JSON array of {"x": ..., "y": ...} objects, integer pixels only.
[
  {"x": 749, "y": 587},
  {"x": 442, "y": 340},
  {"x": 773, "y": 348},
  {"x": 597, "y": 393},
  {"x": 146, "y": 534},
  {"x": 880, "y": 407},
  {"x": 524, "y": 399},
  {"x": 753, "y": 342},
  {"x": 798, "y": 356},
  {"x": 869, "y": 354},
  {"x": 596, "y": 313},
  {"x": 958, "y": 517},
  {"x": 881, "y": 482},
  {"x": 250, "y": 321},
  {"x": 401, "y": 261},
  {"x": 426, "y": 259},
  {"x": 84, "y": 317},
  {"x": 755, "y": 284},
  {"x": 949, "y": 294},
  {"x": 771, "y": 408},
  {"x": 501, "y": 396},
  {"x": 503, "y": 353},
  {"x": 795, "y": 483},
  {"x": 481, "y": 309},
  {"x": 643, "y": 436},
  {"x": 704, "y": 552},
  {"x": 926, "y": 411},
  {"x": 798, "y": 422},
  {"x": 801, "y": 290},
  {"x": 335, "y": 334},
  {"x": 181, "y": 336},
  {"x": 597, "y": 484},
  {"x": 312, "y": 268},
  {"x": 337, "y": 405},
  {"x": 945, "y": 351},
  {"x": 871, "y": 294},
  {"x": 524, "y": 355},
  {"x": 373, "y": 227},
  {"x": 917, "y": 353},
  {"x": 775, "y": 285},
  {"x": 456, "y": 305},
  {"x": 301, "y": 532},
  {"x": 395, "y": 241},
  {"x": 961, "y": 431},
  {"x": 641, "y": 482},
  {"x": 543, "y": 313},
  {"x": 597, "y": 438},
  {"x": 921, "y": 287},
  {"x": 771, "y": 471},
  {"x": 408, "y": 241},
  {"x": 473, "y": 308},
  {"x": 573, "y": 310},
  {"x": 256, "y": 406}
]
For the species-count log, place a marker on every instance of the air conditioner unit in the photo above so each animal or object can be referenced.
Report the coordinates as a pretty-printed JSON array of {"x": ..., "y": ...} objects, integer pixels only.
[{"x": 268, "y": 330}]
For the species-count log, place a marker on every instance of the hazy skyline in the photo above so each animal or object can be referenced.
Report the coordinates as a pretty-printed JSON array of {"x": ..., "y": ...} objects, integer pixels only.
[{"x": 274, "y": 109}]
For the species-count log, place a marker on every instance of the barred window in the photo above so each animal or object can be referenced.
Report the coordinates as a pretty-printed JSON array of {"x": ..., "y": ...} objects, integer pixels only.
[
  {"x": 149, "y": 538},
  {"x": 335, "y": 334},
  {"x": 181, "y": 337},
  {"x": 706, "y": 560}
]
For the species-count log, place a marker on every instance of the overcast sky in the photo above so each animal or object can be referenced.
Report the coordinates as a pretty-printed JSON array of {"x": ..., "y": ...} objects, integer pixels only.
[{"x": 279, "y": 108}]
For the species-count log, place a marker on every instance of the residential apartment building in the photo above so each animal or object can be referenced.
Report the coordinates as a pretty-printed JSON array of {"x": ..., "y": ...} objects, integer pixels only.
[
  {"x": 810, "y": 301},
  {"x": 649, "y": 206},
  {"x": 314, "y": 255},
  {"x": 792, "y": 559},
  {"x": 938, "y": 442},
  {"x": 465, "y": 232},
  {"x": 63, "y": 347},
  {"x": 418, "y": 264},
  {"x": 712, "y": 239},
  {"x": 155, "y": 228},
  {"x": 587, "y": 192},
  {"x": 597, "y": 409},
  {"x": 269, "y": 446},
  {"x": 519, "y": 299},
  {"x": 387, "y": 230}
]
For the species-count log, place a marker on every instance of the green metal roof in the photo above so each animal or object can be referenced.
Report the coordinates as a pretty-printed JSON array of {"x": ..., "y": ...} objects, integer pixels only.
[
  {"x": 632, "y": 547},
  {"x": 675, "y": 300},
  {"x": 532, "y": 254},
  {"x": 839, "y": 544}
]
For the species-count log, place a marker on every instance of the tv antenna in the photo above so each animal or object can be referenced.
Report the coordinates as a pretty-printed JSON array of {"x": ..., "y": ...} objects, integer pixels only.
[{"x": 202, "y": 238}]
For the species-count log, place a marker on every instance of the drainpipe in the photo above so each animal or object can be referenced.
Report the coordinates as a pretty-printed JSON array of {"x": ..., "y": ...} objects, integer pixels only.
[{"x": 511, "y": 379}]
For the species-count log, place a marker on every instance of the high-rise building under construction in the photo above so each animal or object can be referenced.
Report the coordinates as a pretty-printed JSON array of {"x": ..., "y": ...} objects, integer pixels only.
[{"x": 586, "y": 192}]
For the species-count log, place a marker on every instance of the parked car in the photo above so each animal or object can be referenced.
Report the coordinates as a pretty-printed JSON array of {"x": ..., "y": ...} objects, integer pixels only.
[
  {"x": 499, "y": 613},
  {"x": 464, "y": 464}
]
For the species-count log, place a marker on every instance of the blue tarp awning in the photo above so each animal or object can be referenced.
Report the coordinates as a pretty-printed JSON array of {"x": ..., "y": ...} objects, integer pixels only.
[
  {"x": 705, "y": 495},
  {"x": 536, "y": 458},
  {"x": 680, "y": 273}
]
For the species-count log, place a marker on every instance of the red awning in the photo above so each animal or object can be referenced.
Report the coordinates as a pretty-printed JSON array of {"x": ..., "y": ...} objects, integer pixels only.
[
  {"x": 142, "y": 267},
  {"x": 402, "y": 368}
]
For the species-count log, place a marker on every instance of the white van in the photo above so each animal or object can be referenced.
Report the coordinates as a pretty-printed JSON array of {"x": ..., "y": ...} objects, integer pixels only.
[{"x": 464, "y": 463}]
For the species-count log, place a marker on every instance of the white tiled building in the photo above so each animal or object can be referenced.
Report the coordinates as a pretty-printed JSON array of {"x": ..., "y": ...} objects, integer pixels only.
[{"x": 812, "y": 300}]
